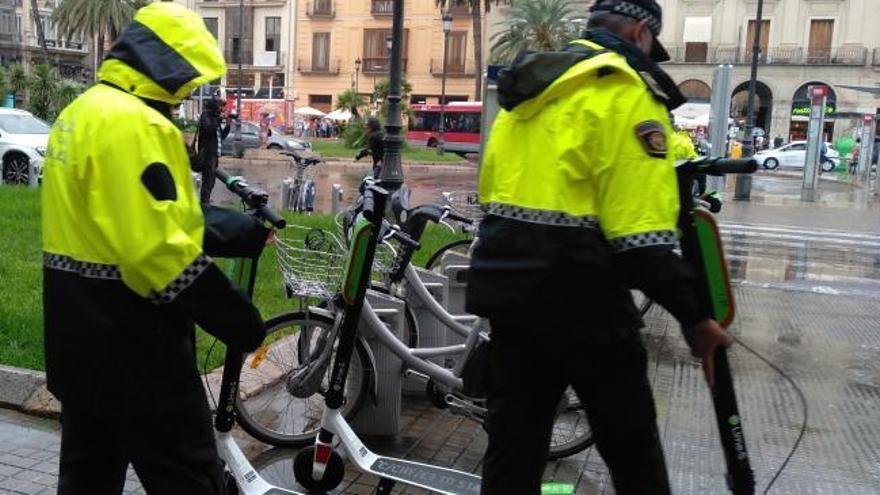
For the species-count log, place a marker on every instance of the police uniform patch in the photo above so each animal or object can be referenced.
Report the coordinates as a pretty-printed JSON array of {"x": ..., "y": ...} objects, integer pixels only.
[{"x": 653, "y": 138}]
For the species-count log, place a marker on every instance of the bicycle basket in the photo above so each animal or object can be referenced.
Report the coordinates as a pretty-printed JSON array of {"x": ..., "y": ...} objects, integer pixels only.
[
  {"x": 311, "y": 261},
  {"x": 466, "y": 204}
]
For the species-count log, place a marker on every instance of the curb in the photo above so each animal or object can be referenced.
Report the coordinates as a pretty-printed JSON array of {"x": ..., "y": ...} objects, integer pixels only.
[{"x": 25, "y": 390}]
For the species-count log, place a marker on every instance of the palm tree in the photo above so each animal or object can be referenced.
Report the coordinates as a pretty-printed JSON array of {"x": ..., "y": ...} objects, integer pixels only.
[
  {"x": 15, "y": 80},
  {"x": 350, "y": 100},
  {"x": 540, "y": 25},
  {"x": 41, "y": 91},
  {"x": 97, "y": 19},
  {"x": 383, "y": 87}
]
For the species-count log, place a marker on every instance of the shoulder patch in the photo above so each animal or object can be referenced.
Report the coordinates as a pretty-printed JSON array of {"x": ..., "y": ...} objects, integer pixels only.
[{"x": 652, "y": 136}]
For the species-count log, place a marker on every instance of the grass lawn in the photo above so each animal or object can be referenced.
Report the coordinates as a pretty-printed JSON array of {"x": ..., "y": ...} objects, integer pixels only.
[
  {"x": 21, "y": 311},
  {"x": 336, "y": 149}
]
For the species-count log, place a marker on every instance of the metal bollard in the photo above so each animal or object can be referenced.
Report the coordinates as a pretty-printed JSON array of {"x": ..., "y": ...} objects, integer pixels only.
[
  {"x": 383, "y": 418},
  {"x": 432, "y": 333},
  {"x": 32, "y": 174},
  {"x": 335, "y": 198}
]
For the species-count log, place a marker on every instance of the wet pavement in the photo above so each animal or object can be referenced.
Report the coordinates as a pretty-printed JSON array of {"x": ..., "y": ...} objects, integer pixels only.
[{"x": 807, "y": 286}]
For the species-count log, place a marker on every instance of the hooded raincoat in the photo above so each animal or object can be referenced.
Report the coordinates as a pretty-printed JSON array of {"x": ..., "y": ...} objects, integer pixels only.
[{"x": 125, "y": 274}]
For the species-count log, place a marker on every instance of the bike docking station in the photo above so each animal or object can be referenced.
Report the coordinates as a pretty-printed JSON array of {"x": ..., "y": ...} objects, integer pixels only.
[
  {"x": 320, "y": 468},
  {"x": 431, "y": 332}
]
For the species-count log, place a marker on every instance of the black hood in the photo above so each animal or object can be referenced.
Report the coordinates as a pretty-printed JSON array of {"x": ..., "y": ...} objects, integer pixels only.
[{"x": 532, "y": 72}]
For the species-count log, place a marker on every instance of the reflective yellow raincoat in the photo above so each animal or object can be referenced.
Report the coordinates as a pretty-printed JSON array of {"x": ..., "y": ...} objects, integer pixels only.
[{"x": 124, "y": 270}]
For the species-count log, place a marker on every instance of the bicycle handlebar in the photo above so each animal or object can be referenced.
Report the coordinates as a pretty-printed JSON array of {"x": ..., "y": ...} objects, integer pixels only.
[
  {"x": 393, "y": 231},
  {"x": 719, "y": 166},
  {"x": 253, "y": 197},
  {"x": 459, "y": 218}
]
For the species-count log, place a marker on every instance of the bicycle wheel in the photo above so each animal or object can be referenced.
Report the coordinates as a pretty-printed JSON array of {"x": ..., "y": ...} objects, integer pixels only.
[
  {"x": 266, "y": 406},
  {"x": 461, "y": 246},
  {"x": 571, "y": 430}
]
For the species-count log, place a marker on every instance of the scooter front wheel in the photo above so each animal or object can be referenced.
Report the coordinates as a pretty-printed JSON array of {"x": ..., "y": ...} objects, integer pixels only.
[{"x": 303, "y": 470}]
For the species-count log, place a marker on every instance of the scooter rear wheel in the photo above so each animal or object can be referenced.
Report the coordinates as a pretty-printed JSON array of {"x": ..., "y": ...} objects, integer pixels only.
[{"x": 303, "y": 466}]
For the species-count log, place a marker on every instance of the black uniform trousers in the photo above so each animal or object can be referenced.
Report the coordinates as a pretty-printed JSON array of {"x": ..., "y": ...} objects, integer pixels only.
[
  {"x": 172, "y": 451},
  {"x": 531, "y": 365}
]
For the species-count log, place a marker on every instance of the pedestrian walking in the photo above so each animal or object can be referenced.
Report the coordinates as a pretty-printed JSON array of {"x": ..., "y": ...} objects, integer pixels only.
[
  {"x": 375, "y": 145},
  {"x": 209, "y": 144},
  {"x": 581, "y": 197},
  {"x": 125, "y": 274}
]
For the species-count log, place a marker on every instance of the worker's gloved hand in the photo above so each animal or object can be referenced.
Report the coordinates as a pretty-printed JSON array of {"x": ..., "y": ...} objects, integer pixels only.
[{"x": 703, "y": 339}]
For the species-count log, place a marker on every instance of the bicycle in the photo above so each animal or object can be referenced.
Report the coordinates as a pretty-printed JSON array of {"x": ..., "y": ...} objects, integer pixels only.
[
  {"x": 301, "y": 191},
  {"x": 279, "y": 406},
  {"x": 240, "y": 475}
]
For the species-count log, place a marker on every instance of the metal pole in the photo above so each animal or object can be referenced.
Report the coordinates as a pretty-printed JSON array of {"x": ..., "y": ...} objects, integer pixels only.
[
  {"x": 720, "y": 114},
  {"x": 441, "y": 142},
  {"x": 815, "y": 141},
  {"x": 238, "y": 147},
  {"x": 391, "y": 176},
  {"x": 744, "y": 181}
]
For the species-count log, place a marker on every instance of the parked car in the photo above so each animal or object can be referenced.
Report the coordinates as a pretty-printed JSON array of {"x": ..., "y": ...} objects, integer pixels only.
[
  {"x": 23, "y": 141},
  {"x": 793, "y": 155},
  {"x": 250, "y": 139}
]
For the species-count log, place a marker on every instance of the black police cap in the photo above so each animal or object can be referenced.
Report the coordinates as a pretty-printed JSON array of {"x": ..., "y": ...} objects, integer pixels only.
[{"x": 647, "y": 10}]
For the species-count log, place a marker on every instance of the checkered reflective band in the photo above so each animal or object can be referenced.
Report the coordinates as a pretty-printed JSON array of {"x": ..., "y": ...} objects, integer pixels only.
[
  {"x": 656, "y": 238},
  {"x": 184, "y": 280},
  {"x": 546, "y": 217},
  {"x": 631, "y": 10},
  {"x": 83, "y": 268}
]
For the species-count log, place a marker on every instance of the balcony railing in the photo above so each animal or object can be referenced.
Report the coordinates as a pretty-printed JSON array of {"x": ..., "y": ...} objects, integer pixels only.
[
  {"x": 453, "y": 70},
  {"x": 320, "y": 9},
  {"x": 232, "y": 57},
  {"x": 378, "y": 65},
  {"x": 382, "y": 7},
  {"x": 876, "y": 61},
  {"x": 58, "y": 44},
  {"x": 311, "y": 69},
  {"x": 837, "y": 56}
]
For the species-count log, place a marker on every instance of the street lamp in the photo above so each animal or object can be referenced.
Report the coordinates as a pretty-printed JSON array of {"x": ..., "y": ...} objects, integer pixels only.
[
  {"x": 357, "y": 70},
  {"x": 744, "y": 181},
  {"x": 391, "y": 176},
  {"x": 447, "y": 26}
]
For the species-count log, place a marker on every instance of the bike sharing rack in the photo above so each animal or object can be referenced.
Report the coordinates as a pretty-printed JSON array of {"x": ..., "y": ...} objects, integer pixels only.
[
  {"x": 431, "y": 332},
  {"x": 381, "y": 417}
]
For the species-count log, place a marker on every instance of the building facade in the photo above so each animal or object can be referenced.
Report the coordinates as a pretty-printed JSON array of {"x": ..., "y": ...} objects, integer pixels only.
[
  {"x": 803, "y": 42},
  {"x": 20, "y": 42},
  {"x": 345, "y": 44}
]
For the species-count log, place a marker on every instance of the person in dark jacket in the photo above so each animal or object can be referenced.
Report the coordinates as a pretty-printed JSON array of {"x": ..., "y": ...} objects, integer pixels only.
[
  {"x": 212, "y": 132},
  {"x": 126, "y": 273},
  {"x": 375, "y": 145}
]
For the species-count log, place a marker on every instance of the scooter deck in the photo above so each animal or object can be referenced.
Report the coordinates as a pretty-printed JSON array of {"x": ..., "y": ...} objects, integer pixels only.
[{"x": 434, "y": 478}]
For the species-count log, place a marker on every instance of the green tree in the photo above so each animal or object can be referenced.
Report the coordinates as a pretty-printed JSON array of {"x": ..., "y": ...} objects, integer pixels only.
[
  {"x": 349, "y": 99},
  {"x": 13, "y": 79},
  {"x": 48, "y": 94},
  {"x": 383, "y": 87},
  {"x": 539, "y": 25},
  {"x": 97, "y": 19},
  {"x": 41, "y": 91}
]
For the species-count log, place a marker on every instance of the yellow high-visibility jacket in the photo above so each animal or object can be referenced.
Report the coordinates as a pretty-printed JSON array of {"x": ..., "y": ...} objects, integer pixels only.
[
  {"x": 580, "y": 190},
  {"x": 124, "y": 270}
]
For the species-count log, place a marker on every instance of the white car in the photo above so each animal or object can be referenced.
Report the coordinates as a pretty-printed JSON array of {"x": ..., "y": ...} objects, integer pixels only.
[
  {"x": 793, "y": 155},
  {"x": 23, "y": 140}
]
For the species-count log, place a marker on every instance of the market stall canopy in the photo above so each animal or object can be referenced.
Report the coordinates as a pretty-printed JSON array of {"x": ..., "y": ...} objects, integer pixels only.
[
  {"x": 339, "y": 115},
  {"x": 308, "y": 112}
]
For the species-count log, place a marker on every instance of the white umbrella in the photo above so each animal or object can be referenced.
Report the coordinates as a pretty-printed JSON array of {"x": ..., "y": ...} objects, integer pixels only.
[
  {"x": 340, "y": 114},
  {"x": 309, "y": 112}
]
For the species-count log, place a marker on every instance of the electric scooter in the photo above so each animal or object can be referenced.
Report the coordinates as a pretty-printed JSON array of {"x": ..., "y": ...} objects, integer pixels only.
[
  {"x": 701, "y": 247},
  {"x": 241, "y": 477}
]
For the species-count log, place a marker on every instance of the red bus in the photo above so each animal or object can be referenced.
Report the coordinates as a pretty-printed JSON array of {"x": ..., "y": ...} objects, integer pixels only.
[{"x": 462, "y": 134}]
